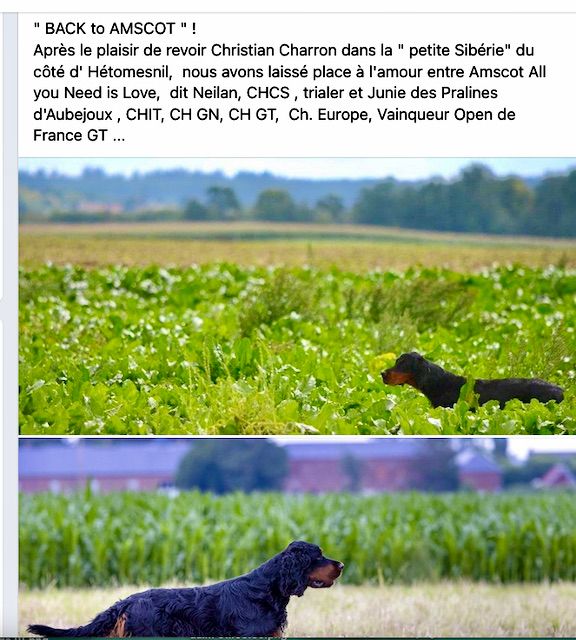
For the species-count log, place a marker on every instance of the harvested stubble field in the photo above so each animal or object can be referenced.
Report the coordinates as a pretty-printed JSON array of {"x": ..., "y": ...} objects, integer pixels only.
[
  {"x": 452, "y": 609},
  {"x": 357, "y": 248}
]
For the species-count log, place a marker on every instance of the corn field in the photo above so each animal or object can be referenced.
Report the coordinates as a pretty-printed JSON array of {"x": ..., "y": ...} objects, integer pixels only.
[{"x": 137, "y": 538}]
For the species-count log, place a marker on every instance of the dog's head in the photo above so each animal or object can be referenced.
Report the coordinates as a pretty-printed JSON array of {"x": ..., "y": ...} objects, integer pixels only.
[
  {"x": 407, "y": 369},
  {"x": 303, "y": 565}
]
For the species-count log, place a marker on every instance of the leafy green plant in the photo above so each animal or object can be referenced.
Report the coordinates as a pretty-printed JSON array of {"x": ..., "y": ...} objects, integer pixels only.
[{"x": 223, "y": 349}]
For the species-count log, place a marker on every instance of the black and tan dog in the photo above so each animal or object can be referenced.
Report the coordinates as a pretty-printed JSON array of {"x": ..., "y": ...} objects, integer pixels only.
[
  {"x": 442, "y": 388},
  {"x": 251, "y": 605}
]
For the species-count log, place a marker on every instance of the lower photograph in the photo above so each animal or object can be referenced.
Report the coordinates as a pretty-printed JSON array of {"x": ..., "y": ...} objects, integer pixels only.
[{"x": 295, "y": 537}]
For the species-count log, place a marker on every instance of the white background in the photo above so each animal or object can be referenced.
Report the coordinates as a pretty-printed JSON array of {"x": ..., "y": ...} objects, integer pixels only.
[{"x": 544, "y": 107}]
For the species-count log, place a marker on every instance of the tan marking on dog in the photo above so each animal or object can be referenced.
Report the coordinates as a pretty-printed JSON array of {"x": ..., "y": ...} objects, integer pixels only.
[
  {"x": 119, "y": 630},
  {"x": 397, "y": 377},
  {"x": 326, "y": 574}
]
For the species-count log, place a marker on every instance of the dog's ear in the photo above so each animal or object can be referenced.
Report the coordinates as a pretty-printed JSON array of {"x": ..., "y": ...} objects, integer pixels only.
[{"x": 294, "y": 568}]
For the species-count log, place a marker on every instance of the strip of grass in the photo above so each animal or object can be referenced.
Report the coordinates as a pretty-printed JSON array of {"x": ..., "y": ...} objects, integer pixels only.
[
  {"x": 452, "y": 609},
  {"x": 285, "y": 230},
  {"x": 359, "y": 256}
]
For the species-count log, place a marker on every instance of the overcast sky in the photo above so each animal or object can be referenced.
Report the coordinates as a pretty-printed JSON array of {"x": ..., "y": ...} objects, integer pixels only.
[
  {"x": 518, "y": 446},
  {"x": 401, "y": 168}
]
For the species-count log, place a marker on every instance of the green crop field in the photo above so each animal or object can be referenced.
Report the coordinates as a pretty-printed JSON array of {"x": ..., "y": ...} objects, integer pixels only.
[
  {"x": 129, "y": 538},
  {"x": 226, "y": 349}
]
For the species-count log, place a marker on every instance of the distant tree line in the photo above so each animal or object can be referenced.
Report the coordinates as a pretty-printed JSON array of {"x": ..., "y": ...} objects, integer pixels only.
[
  {"x": 272, "y": 205},
  {"x": 476, "y": 201},
  {"x": 44, "y": 191}
]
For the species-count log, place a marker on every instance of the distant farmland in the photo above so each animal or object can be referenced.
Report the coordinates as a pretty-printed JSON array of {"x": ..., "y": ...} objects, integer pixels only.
[{"x": 354, "y": 247}]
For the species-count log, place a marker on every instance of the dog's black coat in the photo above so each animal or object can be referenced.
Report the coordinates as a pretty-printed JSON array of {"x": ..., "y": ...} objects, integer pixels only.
[
  {"x": 251, "y": 605},
  {"x": 442, "y": 388}
]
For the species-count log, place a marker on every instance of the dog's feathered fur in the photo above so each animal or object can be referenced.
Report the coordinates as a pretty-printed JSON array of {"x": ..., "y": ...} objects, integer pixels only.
[
  {"x": 251, "y": 605},
  {"x": 442, "y": 388}
]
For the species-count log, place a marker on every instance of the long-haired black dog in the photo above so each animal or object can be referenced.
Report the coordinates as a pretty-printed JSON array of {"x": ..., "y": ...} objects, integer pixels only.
[
  {"x": 251, "y": 605},
  {"x": 442, "y": 388}
]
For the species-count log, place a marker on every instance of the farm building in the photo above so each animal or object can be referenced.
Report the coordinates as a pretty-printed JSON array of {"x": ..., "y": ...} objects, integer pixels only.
[
  {"x": 559, "y": 476},
  {"x": 478, "y": 471},
  {"x": 380, "y": 465},
  {"x": 372, "y": 466},
  {"x": 387, "y": 464},
  {"x": 113, "y": 465}
]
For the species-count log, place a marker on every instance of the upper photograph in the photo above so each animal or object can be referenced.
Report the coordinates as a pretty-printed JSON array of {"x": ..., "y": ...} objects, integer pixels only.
[{"x": 214, "y": 296}]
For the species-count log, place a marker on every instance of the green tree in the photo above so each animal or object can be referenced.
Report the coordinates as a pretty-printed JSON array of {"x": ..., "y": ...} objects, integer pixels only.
[
  {"x": 223, "y": 203},
  {"x": 330, "y": 208},
  {"x": 380, "y": 204},
  {"x": 517, "y": 200},
  {"x": 222, "y": 466},
  {"x": 474, "y": 200},
  {"x": 352, "y": 468},
  {"x": 275, "y": 205},
  {"x": 195, "y": 210},
  {"x": 555, "y": 206},
  {"x": 431, "y": 209},
  {"x": 435, "y": 467},
  {"x": 501, "y": 449}
]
